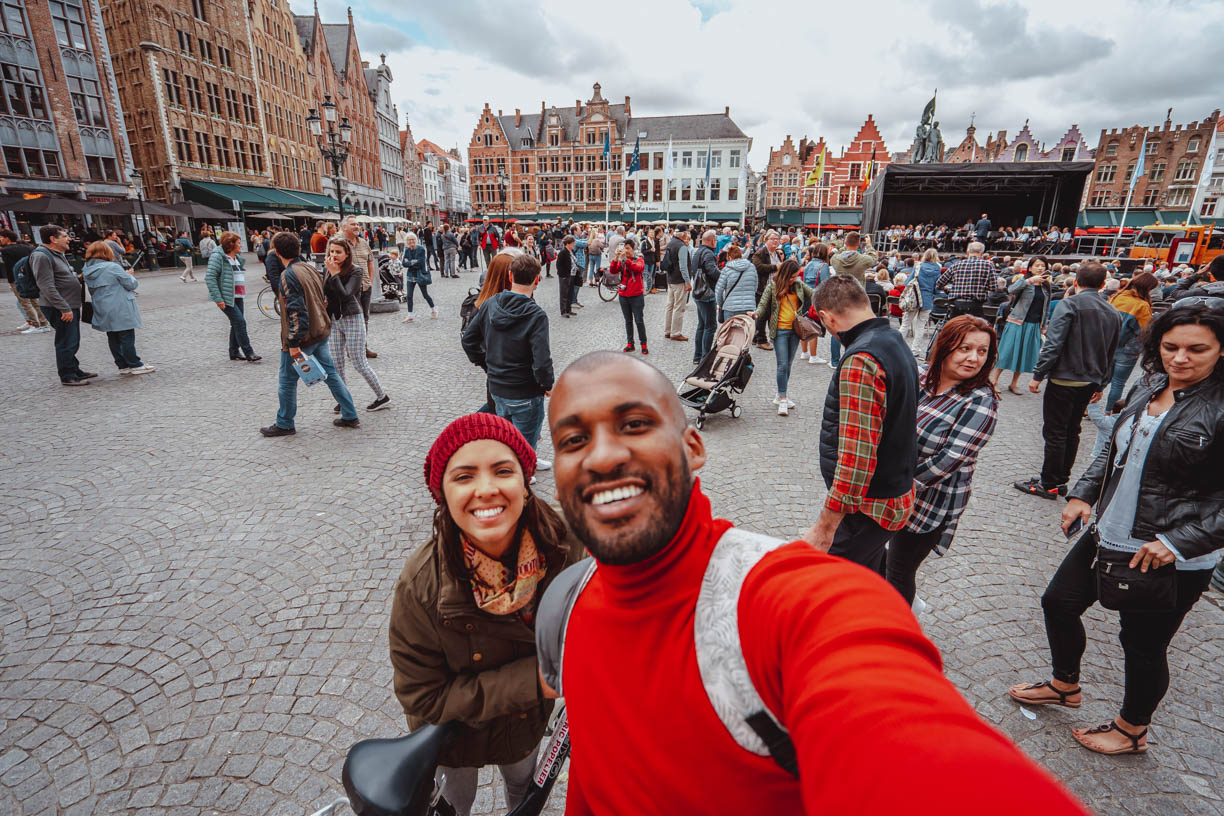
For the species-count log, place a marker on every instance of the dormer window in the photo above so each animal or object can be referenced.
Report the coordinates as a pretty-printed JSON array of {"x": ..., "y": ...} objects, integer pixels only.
[{"x": 786, "y": 159}]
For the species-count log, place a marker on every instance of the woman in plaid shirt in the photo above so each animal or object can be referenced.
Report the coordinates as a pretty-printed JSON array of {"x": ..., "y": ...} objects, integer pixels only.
[{"x": 957, "y": 410}]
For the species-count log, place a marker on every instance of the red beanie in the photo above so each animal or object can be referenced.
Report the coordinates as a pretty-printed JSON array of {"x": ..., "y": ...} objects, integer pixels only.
[{"x": 467, "y": 429}]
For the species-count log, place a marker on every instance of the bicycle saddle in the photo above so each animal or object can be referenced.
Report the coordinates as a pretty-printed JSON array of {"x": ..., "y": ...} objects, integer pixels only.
[{"x": 394, "y": 777}]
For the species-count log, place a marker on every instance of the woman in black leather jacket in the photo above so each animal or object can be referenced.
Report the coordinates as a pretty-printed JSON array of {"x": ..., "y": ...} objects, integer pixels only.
[{"x": 1159, "y": 492}]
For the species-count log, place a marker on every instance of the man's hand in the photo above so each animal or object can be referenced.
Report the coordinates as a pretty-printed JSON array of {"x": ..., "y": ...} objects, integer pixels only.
[
  {"x": 221, "y": 305},
  {"x": 1096, "y": 397},
  {"x": 546, "y": 691},
  {"x": 820, "y": 535},
  {"x": 66, "y": 316},
  {"x": 1035, "y": 386},
  {"x": 688, "y": 287},
  {"x": 1152, "y": 555},
  {"x": 295, "y": 352},
  {"x": 1076, "y": 508}
]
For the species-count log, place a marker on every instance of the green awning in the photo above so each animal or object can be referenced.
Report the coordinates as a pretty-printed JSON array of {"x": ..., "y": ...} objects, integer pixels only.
[
  {"x": 787, "y": 217},
  {"x": 224, "y": 195},
  {"x": 1113, "y": 218}
]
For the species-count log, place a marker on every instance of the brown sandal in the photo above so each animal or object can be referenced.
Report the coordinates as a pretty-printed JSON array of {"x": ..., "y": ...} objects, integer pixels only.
[
  {"x": 1135, "y": 747},
  {"x": 1060, "y": 701}
]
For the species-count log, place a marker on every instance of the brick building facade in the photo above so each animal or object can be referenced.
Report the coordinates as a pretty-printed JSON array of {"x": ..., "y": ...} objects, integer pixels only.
[
  {"x": 283, "y": 90},
  {"x": 414, "y": 185},
  {"x": 1174, "y": 158},
  {"x": 1024, "y": 148},
  {"x": 390, "y": 155},
  {"x": 555, "y": 166},
  {"x": 333, "y": 62},
  {"x": 839, "y": 193},
  {"x": 61, "y": 125},
  {"x": 186, "y": 80}
]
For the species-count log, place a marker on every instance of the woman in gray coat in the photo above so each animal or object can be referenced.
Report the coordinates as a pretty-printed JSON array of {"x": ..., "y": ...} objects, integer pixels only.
[{"x": 113, "y": 290}]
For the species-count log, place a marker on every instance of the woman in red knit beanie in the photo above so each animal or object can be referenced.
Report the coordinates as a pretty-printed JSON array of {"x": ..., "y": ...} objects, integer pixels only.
[{"x": 463, "y": 617}]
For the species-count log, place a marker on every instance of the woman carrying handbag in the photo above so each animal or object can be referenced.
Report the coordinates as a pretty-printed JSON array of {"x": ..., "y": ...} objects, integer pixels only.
[
  {"x": 785, "y": 299},
  {"x": 1158, "y": 488}
]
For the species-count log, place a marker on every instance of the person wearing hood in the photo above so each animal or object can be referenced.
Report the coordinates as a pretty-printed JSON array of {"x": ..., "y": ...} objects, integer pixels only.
[
  {"x": 735, "y": 293},
  {"x": 508, "y": 338},
  {"x": 113, "y": 290}
]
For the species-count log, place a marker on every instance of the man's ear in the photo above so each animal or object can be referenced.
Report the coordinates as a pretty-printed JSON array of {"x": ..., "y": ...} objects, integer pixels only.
[{"x": 694, "y": 448}]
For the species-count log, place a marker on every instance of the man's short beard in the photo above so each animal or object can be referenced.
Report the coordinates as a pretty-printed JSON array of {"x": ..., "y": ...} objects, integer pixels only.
[{"x": 620, "y": 549}]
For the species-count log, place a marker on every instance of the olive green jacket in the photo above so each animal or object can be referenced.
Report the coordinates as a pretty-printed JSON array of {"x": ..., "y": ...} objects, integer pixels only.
[{"x": 770, "y": 305}]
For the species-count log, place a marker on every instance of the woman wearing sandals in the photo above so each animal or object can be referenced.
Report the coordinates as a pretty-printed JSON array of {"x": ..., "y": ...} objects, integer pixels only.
[
  {"x": 1021, "y": 340},
  {"x": 1159, "y": 493},
  {"x": 463, "y": 616}
]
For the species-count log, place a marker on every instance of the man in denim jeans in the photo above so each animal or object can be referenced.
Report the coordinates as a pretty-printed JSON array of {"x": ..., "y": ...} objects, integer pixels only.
[{"x": 508, "y": 338}]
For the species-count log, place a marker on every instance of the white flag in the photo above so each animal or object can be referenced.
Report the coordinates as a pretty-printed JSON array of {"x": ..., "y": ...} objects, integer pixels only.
[
  {"x": 1204, "y": 178},
  {"x": 667, "y": 161}
]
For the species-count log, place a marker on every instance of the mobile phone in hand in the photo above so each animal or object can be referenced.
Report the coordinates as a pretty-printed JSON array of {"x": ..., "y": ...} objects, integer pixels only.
[{"x": 1075, "y": 526}]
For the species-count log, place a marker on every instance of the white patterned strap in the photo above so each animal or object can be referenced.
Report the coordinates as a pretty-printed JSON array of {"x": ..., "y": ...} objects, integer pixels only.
[
  {"x": 720, "y": 657},
  {"x": 552, "y": 618}
]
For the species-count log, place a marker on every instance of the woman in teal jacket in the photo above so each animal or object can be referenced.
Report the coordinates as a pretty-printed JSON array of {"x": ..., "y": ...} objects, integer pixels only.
[{"x": 113, "y": 290}]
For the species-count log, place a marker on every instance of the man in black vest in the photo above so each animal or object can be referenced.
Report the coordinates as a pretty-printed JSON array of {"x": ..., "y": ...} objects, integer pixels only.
[{"x": 868, "y": 459}]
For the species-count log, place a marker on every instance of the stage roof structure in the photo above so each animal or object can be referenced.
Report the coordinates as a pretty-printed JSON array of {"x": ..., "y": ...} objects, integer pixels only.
[{"x": 1012, "y": 193}]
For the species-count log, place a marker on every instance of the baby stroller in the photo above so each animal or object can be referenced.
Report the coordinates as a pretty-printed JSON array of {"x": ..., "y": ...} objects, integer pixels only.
[
  {"x": 392, "y": 282},
  {"x": 723, "y": 372}
]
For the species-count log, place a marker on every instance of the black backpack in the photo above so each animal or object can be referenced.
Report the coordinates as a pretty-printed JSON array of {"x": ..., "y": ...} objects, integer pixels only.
[
  {"x": 23, "y": 279},
  {"x": 467, "y": 309}
]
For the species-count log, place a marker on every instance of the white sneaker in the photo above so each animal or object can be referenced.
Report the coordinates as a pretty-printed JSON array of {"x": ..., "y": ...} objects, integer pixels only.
[
  {"x": 125, "y": 371},
  {"x": 144, "y": 369},
  {"x": 407, "y": 319},
  {"x": 45, "y": 329},
  {"x": 31, "y": 330},
  {"x": 803, "y": 355},
  {"x": 814, "y": 360},
  {"x": 920, "y": 606},
  {"x": 25, "y": 326},
  {"x": 783, "y": 410},
  {"x": 433, "y": 314},
  {"x": 543, "y": 464},
  {"x": 830, "y": 364},
  {"x": 531, "y": 481}
]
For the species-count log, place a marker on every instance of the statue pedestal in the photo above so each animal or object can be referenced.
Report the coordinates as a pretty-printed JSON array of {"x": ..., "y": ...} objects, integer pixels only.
[{"x": 384, "y": 306}]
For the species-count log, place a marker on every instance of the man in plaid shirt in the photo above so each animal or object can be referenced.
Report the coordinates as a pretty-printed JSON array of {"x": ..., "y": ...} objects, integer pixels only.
[
  {"x": 972, "y": 278},
  {"x": 868, "y": 439}
]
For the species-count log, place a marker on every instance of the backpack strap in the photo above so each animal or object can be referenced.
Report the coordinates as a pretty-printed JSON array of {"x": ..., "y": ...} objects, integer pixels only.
[
  {"x": 720, "y": 656},
  {"x": 552, "y": 618}
]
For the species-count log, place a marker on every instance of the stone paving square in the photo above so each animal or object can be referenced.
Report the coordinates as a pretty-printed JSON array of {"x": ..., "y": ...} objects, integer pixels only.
[{"x": 193, "y": 618}]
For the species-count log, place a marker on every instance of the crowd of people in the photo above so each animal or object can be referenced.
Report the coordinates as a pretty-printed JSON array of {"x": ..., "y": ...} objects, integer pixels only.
[
  {"x": 825, "y": 635},
  {"x": 1050, "y": 240}
]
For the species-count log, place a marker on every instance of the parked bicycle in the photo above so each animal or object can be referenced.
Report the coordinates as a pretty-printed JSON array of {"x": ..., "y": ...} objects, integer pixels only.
[
  {"x": 609, "y": 286},
  {"x": 268, "y": 302},
  {"x": 397, "y": 776}
]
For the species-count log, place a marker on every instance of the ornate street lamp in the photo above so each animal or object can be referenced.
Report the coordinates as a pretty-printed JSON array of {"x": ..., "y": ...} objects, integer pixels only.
[
  {"x": 149, "y": 253},
  {"x": 502, "y": 181},
  {"x": 334, "y": 145}
]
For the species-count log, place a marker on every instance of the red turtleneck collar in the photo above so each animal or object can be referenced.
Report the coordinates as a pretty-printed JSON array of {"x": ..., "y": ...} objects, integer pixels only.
[{"x": 677, "y": 568}]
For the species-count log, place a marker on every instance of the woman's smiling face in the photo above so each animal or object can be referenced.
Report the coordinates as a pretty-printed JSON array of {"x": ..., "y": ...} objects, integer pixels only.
[{"x": 485, "y": 493}]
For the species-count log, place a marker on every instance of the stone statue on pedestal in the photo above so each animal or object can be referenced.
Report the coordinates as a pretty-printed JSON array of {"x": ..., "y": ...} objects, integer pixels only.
[{"x": 927, "y": 139}]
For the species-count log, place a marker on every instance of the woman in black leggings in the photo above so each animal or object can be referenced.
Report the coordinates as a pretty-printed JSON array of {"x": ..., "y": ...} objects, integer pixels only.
[
  {"x": 1158, "y": 489},
  {"x": 957, "y": 413}
]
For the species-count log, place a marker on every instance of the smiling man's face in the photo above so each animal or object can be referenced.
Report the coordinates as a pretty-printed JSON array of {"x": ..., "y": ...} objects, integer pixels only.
[{"x": 624, "y": 458}]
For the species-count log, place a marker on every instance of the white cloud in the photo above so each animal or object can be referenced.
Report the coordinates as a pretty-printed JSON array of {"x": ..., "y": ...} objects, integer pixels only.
[{"x": 791, "y": 66}]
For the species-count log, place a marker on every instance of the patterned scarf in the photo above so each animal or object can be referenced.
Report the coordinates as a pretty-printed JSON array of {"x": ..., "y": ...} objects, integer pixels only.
[{"x": 498, "y": 590}]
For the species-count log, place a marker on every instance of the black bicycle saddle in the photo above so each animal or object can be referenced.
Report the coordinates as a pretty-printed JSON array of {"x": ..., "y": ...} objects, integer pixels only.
[{"x": 394, "y": 777}]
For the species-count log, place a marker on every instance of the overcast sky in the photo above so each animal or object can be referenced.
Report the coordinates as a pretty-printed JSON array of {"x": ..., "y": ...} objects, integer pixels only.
[{"x": 785, "y": 69}]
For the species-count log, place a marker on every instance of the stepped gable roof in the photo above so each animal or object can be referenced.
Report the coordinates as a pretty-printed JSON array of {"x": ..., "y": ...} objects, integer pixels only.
[
  {"x": 336, "y": 35},
  {"x": 569, "y": 124},
  {"x": 695, "y": 126}
]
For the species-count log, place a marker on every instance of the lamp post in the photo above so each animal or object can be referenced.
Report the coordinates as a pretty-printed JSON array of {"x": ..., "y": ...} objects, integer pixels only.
[
  {"x": 142, "y": 227},
  {"x": 335, "y": 147},
  {"x": 502, "y": 180}
]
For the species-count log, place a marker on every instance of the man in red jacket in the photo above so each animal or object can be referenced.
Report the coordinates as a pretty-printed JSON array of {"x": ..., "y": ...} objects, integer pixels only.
[{"x": 830, "y": 648}]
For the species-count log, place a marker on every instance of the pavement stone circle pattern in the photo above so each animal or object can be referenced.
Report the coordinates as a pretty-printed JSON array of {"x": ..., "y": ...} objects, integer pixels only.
[{"x": 193, "y": 617}]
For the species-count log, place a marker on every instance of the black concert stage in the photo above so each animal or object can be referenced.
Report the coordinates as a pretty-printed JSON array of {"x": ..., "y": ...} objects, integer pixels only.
[{"x": 1013, "y": 193}]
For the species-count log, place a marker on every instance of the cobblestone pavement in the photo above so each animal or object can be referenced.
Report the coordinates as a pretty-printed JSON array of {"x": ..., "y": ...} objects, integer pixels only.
[{"x": 193, "y": 617}]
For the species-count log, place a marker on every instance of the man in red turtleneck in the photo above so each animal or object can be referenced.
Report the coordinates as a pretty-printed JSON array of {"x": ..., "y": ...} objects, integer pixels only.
[{"x": 831, "y": 648}]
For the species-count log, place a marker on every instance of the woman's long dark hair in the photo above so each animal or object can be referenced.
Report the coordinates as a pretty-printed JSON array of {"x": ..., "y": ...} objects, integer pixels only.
[
  {"x": 1198, "y": 314},
  {"x": 347, "y": 266},
  {"x": 781, "y": 278},
  {"x": 544, "y": 523},
  {"x": 1143, "y": 284},
  {"x": 951, "y": 336}
]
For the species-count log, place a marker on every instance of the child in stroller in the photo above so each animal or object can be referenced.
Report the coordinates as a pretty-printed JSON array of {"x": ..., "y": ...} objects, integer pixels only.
[
  {"x": 391, "y": 276},
  {"x": 723, "y": 372}
]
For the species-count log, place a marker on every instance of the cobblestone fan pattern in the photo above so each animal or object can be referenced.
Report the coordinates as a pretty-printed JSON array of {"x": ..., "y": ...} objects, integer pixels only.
[{"x": 193, "y": 617}]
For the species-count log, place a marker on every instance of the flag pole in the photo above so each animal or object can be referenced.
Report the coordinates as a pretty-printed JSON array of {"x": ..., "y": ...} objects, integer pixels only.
[{"x": 1118, "y": 237}]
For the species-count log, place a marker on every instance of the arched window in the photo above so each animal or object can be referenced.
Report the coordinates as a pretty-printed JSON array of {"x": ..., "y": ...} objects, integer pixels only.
[{"x": 1022, "y": 152}]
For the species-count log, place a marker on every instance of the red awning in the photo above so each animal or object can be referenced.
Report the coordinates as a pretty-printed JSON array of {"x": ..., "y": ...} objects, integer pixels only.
[
  {"x": 832, "y": 226},
  {"x": 1103, "y": 231}
]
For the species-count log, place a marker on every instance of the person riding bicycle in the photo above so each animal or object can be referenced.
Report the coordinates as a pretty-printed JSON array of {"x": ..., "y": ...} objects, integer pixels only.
[
  {"x": 462, "y": 620},
  {"x": 833, "y": 651}
]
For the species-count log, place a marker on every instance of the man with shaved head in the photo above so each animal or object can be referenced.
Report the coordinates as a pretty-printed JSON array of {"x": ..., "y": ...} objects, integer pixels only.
[{"x": 846, "y": 686}]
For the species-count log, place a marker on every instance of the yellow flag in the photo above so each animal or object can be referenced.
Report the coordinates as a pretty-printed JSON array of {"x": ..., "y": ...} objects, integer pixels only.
[{"x": 814, "y": 177}]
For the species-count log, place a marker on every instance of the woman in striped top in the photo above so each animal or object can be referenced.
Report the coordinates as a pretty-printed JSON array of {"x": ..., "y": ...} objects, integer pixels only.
[{"x": 957, "y": 412}]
